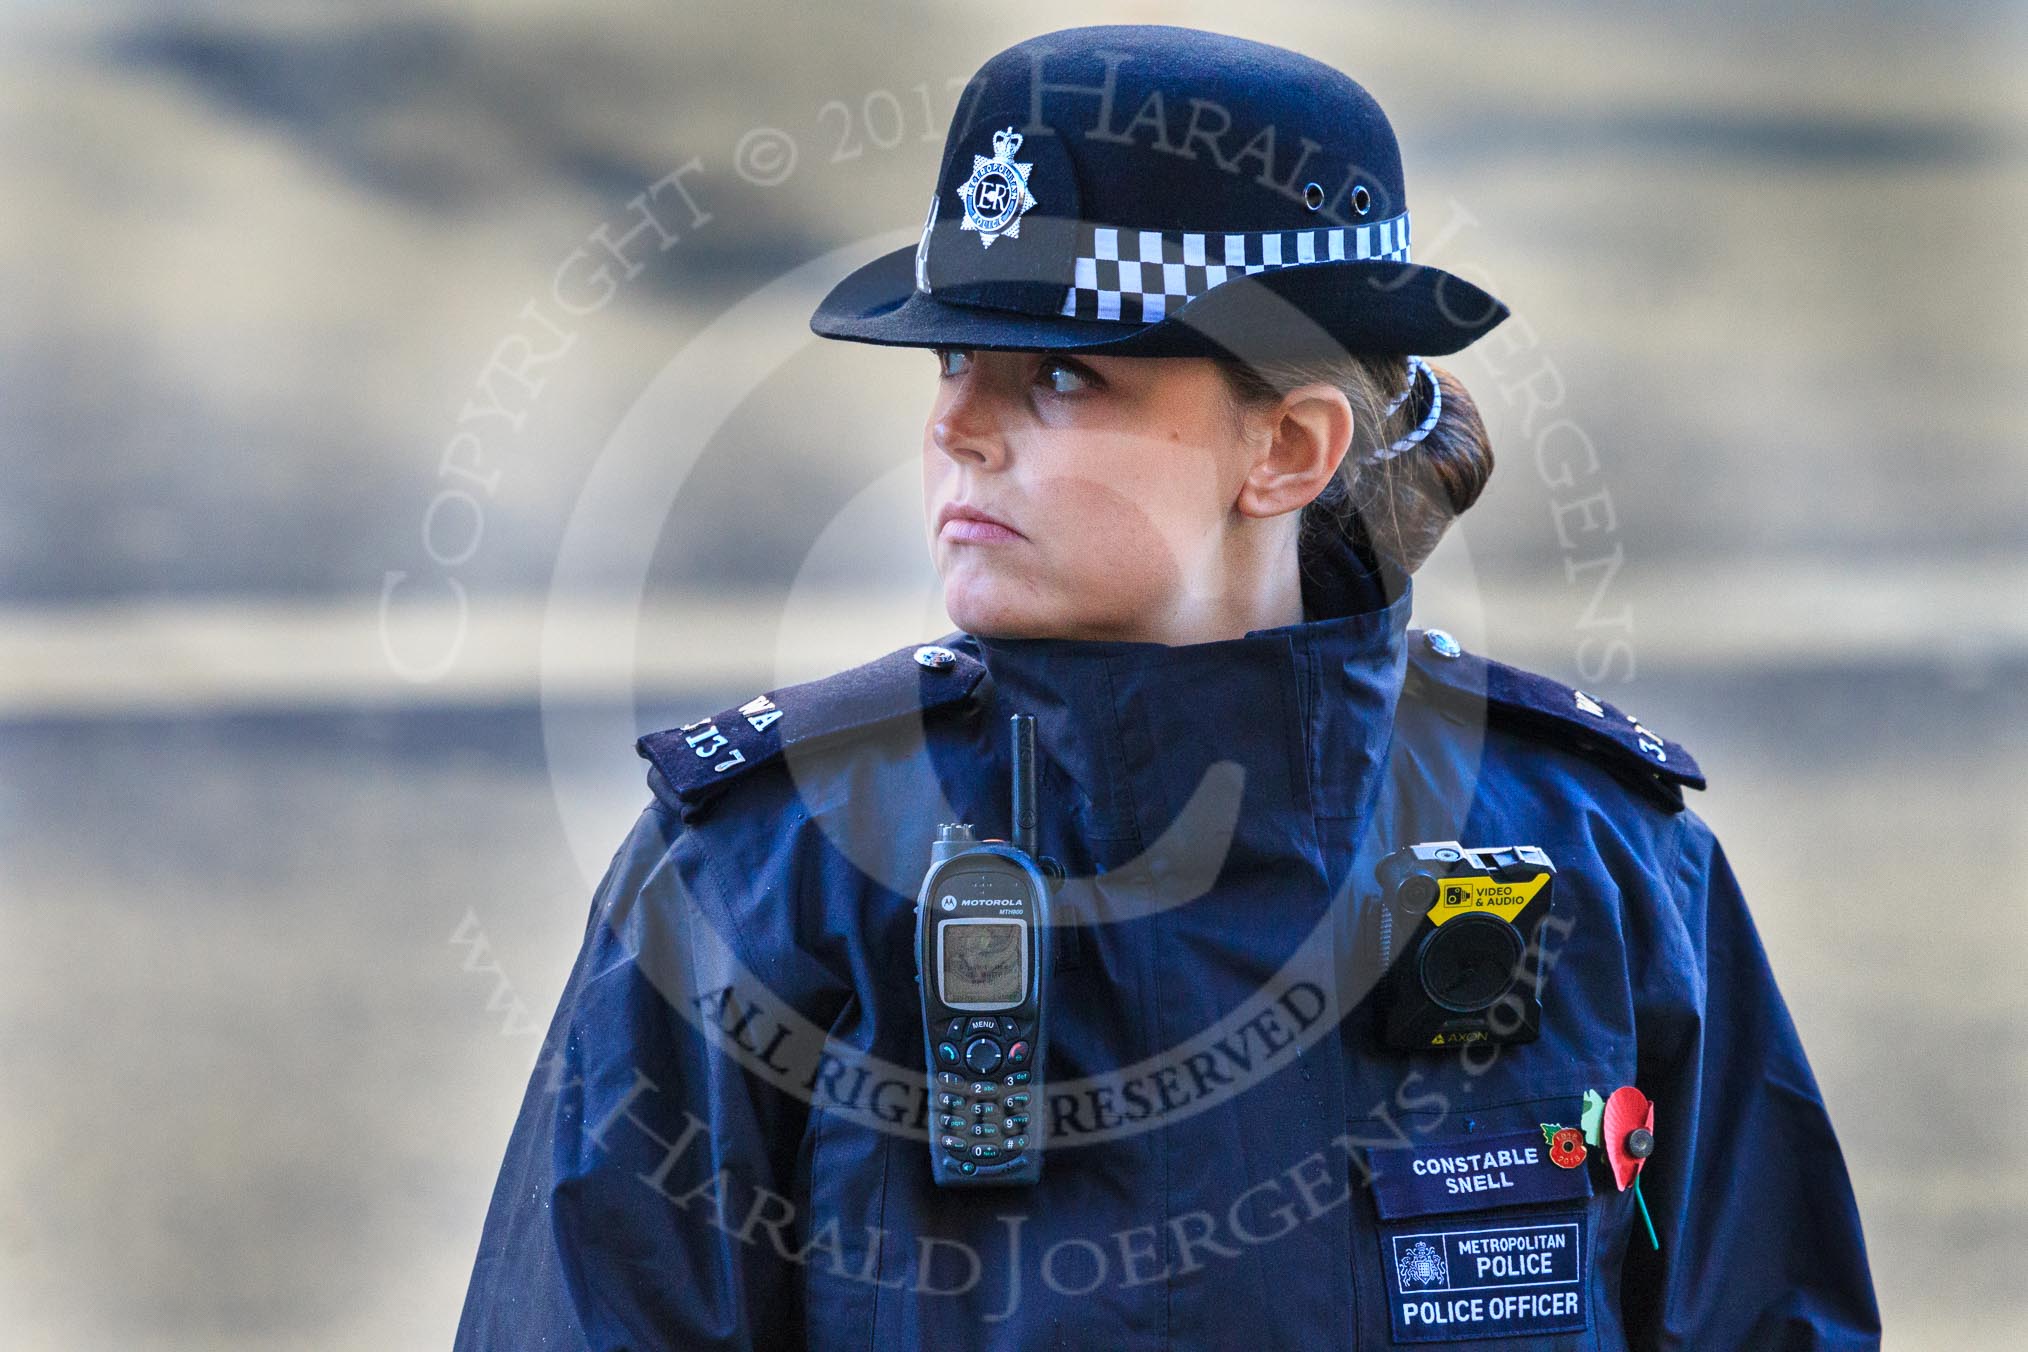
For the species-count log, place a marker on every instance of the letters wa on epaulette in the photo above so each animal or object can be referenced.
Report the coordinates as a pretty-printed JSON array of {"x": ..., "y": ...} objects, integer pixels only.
[{"x": 699, "y": 759}]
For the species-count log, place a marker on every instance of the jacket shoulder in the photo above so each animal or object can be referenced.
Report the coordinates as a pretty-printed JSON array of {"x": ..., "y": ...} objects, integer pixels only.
[
  {"x": 1439, "y": 669},
  {"x": 690, "y": 765}
]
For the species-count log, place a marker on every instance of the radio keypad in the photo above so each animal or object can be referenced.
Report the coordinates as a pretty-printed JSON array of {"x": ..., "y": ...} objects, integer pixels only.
[{"x": 986, "y": 1108}]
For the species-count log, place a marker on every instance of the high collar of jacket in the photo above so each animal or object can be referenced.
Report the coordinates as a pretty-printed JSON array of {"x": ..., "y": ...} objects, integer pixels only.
[{"x": 1305, "y": 711}]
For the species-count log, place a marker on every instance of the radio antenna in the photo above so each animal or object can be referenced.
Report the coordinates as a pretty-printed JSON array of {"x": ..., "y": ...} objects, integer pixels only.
[{"x": 1024, "y": 783}]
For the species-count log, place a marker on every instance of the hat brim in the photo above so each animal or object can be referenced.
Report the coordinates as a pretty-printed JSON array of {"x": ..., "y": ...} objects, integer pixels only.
[{"x": 1370, "y": 305}]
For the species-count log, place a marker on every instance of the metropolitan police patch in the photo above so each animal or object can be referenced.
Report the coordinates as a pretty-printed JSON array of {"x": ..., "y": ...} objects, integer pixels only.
[
  {"x": 1482, "y": 1278},
  {"x": 997, "y": 192}
]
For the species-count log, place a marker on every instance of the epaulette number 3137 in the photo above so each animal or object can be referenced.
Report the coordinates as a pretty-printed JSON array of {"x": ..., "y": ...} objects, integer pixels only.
[{"x": 706, "y": 740}]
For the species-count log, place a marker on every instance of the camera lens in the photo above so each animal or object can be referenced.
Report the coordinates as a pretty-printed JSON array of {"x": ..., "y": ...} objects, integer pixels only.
[
  {"x": 1469, "y": 962},
  {"x": 1416, "y": 893}
]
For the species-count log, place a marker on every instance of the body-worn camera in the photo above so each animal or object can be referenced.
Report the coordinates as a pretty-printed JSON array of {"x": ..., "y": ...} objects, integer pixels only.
[
  {"x": 984, "y": 948},
  {"x": 1460, "y": 944}
]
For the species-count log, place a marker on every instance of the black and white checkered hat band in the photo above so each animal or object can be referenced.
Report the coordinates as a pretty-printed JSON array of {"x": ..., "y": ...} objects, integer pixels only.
[{"x": 1138, "y": 276}]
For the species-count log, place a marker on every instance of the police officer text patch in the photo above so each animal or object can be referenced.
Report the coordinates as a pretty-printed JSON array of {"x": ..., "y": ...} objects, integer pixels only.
[
  {"x": 1466, "y": 1279},
  {"x": 1470, "y": 1174}
]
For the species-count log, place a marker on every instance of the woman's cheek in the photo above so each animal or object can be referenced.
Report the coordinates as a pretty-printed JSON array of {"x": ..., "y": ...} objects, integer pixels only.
[{"x": 1125, "y": 569}]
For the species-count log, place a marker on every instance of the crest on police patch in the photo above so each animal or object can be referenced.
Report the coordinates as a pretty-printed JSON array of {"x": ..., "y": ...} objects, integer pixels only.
[
  {"x": 997, "y": 192},
  {"x": 1422, "y": 1266}
]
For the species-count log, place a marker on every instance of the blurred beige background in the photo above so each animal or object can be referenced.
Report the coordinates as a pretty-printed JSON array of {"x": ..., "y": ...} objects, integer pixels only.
[{"x": 299, "y": 758}]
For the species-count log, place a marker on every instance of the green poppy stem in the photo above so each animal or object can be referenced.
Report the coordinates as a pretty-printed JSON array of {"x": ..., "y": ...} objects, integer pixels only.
[{"x": 1645, "y": 1219}]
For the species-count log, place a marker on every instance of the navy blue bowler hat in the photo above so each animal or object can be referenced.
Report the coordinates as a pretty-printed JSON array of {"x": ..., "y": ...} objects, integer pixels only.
[{"x": 1151, "y": 190}]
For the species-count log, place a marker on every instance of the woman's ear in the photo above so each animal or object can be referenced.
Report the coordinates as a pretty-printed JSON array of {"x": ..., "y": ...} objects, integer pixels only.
[{"x": 1297, "y": 445}]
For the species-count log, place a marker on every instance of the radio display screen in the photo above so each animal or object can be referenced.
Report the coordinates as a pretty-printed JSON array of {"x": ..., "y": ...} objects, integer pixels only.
[{"x": 983, "y": 962}]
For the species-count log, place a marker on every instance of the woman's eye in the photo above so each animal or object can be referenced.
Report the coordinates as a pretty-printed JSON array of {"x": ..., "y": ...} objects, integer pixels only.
[
  {"x": 1055, "y": 373},
  {"x": 950, "y": 361}
]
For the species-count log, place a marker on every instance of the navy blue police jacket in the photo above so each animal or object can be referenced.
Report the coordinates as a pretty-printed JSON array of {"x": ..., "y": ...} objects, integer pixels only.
[{"x": 725, "y": 1142}]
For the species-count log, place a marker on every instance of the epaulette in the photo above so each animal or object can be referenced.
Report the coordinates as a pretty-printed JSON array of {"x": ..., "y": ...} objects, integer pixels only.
[
  {"x": 695, "y": 762},
  {"x": 1440, "y": 668}
]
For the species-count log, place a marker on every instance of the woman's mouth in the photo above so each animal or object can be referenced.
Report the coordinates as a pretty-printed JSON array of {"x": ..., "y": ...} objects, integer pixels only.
[
  {"x": 966, "y": 526},
  {"x": 971, "y": 530}
]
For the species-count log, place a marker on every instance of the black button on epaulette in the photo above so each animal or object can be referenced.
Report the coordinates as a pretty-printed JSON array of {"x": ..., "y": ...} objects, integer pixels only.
[
  {"x": 1441, "y": 669},
  {"x": 696, "y": 761}
]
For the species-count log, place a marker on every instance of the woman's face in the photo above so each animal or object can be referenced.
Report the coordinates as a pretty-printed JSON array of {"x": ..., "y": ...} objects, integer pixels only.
[{"x": 1133, "y": 501}]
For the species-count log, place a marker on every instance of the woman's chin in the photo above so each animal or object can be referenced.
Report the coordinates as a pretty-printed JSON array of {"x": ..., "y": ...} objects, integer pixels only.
[{"x": 982, "y": 604}]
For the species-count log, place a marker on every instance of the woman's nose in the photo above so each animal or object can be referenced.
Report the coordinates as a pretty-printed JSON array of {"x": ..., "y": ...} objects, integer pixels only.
[{"x": 967, "y": 423}]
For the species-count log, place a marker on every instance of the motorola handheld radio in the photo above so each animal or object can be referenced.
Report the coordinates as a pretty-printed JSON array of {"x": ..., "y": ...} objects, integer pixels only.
[{"x": 983, "y": 951}]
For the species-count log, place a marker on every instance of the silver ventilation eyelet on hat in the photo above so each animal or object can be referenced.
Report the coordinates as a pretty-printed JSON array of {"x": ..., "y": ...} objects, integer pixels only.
[
  {"x": 1313, "y": 195},
  {"x": 1362, "y": 200}
]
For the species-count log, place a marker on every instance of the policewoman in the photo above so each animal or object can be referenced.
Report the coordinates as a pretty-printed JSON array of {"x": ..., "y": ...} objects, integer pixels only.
[{"x": 1381, "y": 993}]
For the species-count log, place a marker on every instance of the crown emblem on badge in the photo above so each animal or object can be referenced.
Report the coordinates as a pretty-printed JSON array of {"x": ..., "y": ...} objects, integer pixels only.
[
  {"x": 1422, "y": 1266},
  {"x": 997, "y": 193}
]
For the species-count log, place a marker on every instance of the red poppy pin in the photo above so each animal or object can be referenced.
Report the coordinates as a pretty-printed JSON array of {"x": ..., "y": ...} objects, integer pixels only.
[{"x": 1629, "y": 1132}]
